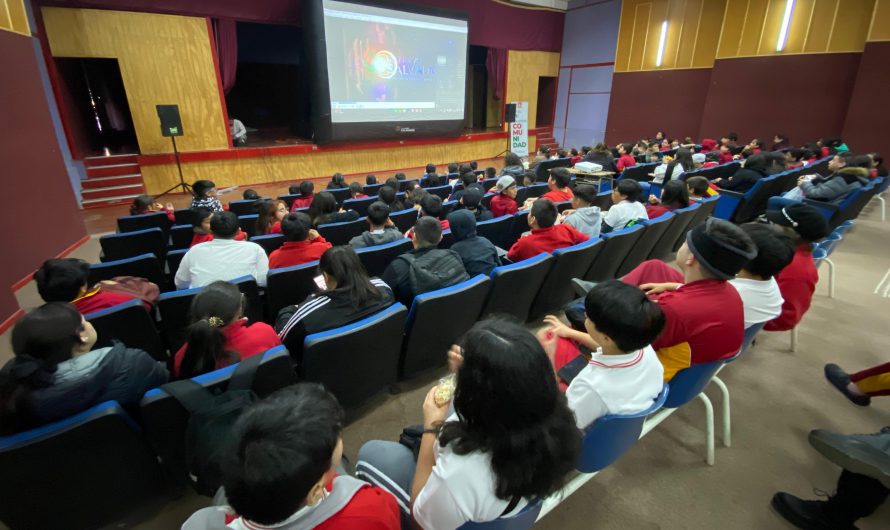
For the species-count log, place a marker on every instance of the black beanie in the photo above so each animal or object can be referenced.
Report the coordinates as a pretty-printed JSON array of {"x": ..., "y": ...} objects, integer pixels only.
[{"x": 721, "y": 260}]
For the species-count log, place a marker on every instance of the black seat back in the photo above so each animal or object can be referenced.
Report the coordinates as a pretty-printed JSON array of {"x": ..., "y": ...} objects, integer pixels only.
[
  {"x": 174, "y": 308},
  {"x": 404, "y": 219},
  {"x": 131, "y": 324},
  {"x": 133, "y": 223},
  {"x": 514, "y": 286},
  {"x": 616, "y": 247},
  {"x": 665, "y": 245},
  {"x": 174, "y": 258},
  {"x": 442, "y": 191},
  {"x": 496, "y": 230},
  {"x": 519, "y": 227},
  {"x": 706, "y": 209},
  {"x": 340, "y": 194},
  {"x": 655, "y": 230},
  {"x": 571, "y": 262},
  {"x": 639, "y": 172},
  {"x": 377, "y": 258},
  {"x": 754, "y": 202},
  {"x": 181, "y": 236},
  {"x": 359, "y": 205},
  {"x": 130, "y": 244},
  {"x": 144, "y": 266},
  {"x": 269, "y": 242},
  {"x": 341, "y": 233},
  {"x": 357, "y": 361},
  {"x": 245, "y": 207},
  {"x": 248, "y": 224},
  {"x": 290, "y": 286},
  {"x": 542, "y": 170}
]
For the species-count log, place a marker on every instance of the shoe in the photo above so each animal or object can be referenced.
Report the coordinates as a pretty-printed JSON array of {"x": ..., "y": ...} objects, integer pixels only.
[
  {"x": 582, "y": 287},
  {"x": 808, "y": 515},
  {"x": 840, "y": 380},
  {"x": 865, "y": 454}
]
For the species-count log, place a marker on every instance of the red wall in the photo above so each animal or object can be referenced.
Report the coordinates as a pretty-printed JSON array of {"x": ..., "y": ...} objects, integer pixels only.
[
  {"x": 867, "y": 127},
  {"x": 803, "y": 96},
  {"x": 644, "y": 103},
  {"x": 39, "y": 213}
]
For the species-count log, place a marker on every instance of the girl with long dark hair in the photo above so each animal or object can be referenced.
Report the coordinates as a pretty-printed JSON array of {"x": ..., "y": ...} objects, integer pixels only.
[
  {"x": 323, "y": 210},
  {"x": 674, "y": 195},
  {"x": 56, "y": 372},
  {"x": 219, "y": 335},
  {"x": 511, "y": 438},
  {"x": 269, "y": 216}
]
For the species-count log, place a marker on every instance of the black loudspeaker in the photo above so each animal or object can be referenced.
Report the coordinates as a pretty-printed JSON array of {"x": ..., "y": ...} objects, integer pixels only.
[
  {"x": 509, "y": 113},
  {"x": 171, "y": 123}
]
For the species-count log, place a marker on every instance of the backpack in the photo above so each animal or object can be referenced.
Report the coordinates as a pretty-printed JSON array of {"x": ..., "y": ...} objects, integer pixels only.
[
  {"x": 434, "y": 270},
  {"x": 211, "y": 417}
]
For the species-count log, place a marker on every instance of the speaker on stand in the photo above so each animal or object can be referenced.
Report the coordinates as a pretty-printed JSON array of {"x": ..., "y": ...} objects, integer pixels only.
[{"x": 171, "y": 125}]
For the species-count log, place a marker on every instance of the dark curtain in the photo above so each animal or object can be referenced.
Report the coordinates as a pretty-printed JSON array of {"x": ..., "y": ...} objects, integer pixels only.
[
  {"x": 226, "y": 34},
  {"x": 496, "y": 65}
]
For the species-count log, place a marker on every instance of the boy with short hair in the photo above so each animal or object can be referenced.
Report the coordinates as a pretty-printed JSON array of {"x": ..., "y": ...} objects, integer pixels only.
[
  {"x": 380, "y": 229},
  {"x": 625, "y": 206},
  {"x": 584, "y": 217},
  {"x": 504, "y": 201},
  {"x": 699, "y": 188},
  {"x": 307, "y": 193},
  {"x": 558, "y": 183},
  {"x": 624, "y": 375},
  {"x": 302, "y": 245},
  {"x": 546, "y": 235},
  {"x": 66, "y": 280}
]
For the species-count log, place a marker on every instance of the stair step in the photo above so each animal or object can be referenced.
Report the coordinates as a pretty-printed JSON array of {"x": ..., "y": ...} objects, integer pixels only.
[
  {"x": 108, "y": 201},
  {"x": 104, "y": 182},
  {"x": 111, "y": 191},
  {"x": 113, "y": 170},
  {"x": 93, "y": 161}
]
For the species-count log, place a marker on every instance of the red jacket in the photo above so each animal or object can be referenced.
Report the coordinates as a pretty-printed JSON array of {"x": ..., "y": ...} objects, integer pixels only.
[
  {"x": 558, "y": 195},
  {"x": 203, "y": 238},
  {"x": 656, "y": 210},
  {"x": 301, "y": 202},
  {"x": 242, "y": 339},
  {"x": 708, "y": 145},
  {"x": 298, "y": 252},
  {"x": 503, "y": 205},
  {"x": 545, "y": 240},
  {"x": 797, "y": 282},
  {"x": 97, "y": 300},
  {"x": 725, "y": 156},
  {"x": 625, "y": 161}
]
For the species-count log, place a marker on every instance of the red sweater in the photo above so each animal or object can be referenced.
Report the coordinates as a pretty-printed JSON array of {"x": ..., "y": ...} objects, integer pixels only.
[
  {"x": 301, "y": 202},
  {"x": 545, "y": 240},
  {"x": 625, "y": 161},
  {"x": 242, "y": 339},
  {"x": 797, "y": 282},
  {"x": 503, "y": 205},
  {"x": 558, "y": 195},
  {"x": 656, "y": 210},
  {"x": 725, "y": 156},
  {"x": 97, "y": 300},
  {"x": 203, "y": 238},
  {"x": 298, "y": 252}
]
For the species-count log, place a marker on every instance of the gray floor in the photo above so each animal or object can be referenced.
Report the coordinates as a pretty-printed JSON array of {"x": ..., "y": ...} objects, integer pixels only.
[{"x": 777, "y": 397}]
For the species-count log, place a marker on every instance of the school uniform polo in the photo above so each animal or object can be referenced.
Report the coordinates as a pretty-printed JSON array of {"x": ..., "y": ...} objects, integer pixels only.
[
  {"x": 503, "y": 205},
  {"x": 762, "y": 299},
  {"x": 615, "y": 384},
  {"x": 242, "y": 339},
  {"x": 558, "y": 195},
  {"x": 97, "y": 300},
  {"x": 298, "y": 252},
  {"x": 797, "y": 282},
  {"x": 545, "y": 240}
]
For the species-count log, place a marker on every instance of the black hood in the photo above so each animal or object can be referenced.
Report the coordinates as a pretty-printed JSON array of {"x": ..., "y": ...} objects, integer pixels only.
[{"x": 462, "y": 224}]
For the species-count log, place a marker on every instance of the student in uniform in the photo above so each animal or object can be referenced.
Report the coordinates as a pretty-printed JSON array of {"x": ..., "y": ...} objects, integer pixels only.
[
  {"x": 380, "y": 229},
  {"x": 219, "y": 334},
  {"x": 479, "y": 255},
  {"x": 546, "y": 235},
  {"x": 756, "y": 282},
  {"x": 498, "y": 451},
  {"x": 302, "y": 243},
  {"x": 584, "y": 216},
  {"x": 223, "y": 258},
  {"x": 623, "y": 375},
  {"x": 205, "y": 196},
  {"x": 504, "y": 201},
  {"x": 146, "y": 204},
  {"x": 674, "y": 196},
  {"x": 559, "y": 183},
  {"x": 201, "y": 226},
  {"x": 323, "y": 210},
  {"x": 307, "y": 193},
  {"x": 626, "y": 207},
  {"x": 66, "y": 280},
  {"x": 280, "y": 471}
]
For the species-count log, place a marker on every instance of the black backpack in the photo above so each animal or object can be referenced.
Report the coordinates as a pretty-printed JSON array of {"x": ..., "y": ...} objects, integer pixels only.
[
  {"x": 434, "y": 270},
  {"x": 211, "y": 417}
]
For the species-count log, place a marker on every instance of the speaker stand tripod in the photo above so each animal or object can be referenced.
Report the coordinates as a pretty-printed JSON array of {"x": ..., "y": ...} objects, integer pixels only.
[{"x": 186, "y": 188}]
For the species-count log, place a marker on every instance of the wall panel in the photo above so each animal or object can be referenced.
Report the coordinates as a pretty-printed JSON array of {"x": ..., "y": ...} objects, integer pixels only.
[
  {"x": 865, "y": 127},
  {"x": 880, "y": 23},
  {"x": 164, "y": 59},
  {"x": 523, "y": 70}
]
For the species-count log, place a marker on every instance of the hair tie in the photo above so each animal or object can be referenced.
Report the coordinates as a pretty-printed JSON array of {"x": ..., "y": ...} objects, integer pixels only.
[{"x": 215, "y": 322}]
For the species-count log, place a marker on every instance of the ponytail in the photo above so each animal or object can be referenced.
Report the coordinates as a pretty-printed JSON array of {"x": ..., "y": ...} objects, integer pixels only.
[{"x": 215, "y": 307}]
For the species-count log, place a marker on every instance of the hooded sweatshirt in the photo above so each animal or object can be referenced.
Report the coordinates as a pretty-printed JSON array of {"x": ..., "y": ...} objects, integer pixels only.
[
  {"x": 479, "y": 255},
  {"x": 377, "y": 237},
  {"x": 587, "y": 220},
  {"x": 837, "y": 186}
]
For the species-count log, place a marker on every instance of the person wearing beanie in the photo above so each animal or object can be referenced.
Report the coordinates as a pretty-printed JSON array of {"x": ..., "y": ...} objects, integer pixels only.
[
  {"x": 698, "y": 160},
  {"x": 708, "y": 145},
  {"x": 472, "y": 202},
  {"x": 704, "y": 314},
  {"x": 797, "y": 282},
  {"x": 504, "y": 202}
]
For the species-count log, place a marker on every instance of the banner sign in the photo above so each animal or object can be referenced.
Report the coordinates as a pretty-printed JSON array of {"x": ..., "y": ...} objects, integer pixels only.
[{"x": 519, "y": 130}]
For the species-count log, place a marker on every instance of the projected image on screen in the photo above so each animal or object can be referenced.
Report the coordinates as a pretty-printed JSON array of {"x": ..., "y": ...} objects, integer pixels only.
[{"x": 386, "y": 65}]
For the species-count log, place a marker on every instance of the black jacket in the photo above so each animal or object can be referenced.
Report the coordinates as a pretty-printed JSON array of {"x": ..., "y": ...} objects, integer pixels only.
[
  {"x": 116, "y": 373},
  {"x": 605, "y": 160},
  {"x": 479, "y": 255},
  {"x": 324, "y": 311},
  {"x": 337, "y": 217},
  {"x": 743, "y": 180},
  {"x": 398, "y": 278}
]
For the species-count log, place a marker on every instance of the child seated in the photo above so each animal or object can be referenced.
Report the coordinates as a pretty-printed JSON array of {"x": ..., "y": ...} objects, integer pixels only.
[
  {"x": 147, "y": 204},
  {"x": 546, "y": 235},
  {"x": 584, "y": 216},
  {"x": 205, "y": 196},
  {"x": 624, "y": 375},
  {"x": 625, "y": 209},
  {"x": 699, "y": 188},
  {"x": 201, "y": 226},
  {"x": 356, "y": 191}
]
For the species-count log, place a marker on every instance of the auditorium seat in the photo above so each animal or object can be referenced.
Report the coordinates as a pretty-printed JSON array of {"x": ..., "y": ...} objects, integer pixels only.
[
  {"x": 731, "y": 201},
  {"x": 254, "y": 307},
  {"x": 181, "y": 236},
  {"x": 563, "y": 206},
  {"x": 248, "y": 224},
  {"x": 357, "y": 361},
  {"x": 639, "y": 172},
  {"x": 359, "y": 205},
  {"x": 655, "y": 230},
  {"x": 487, "y": 184},
  {"x": 665, "y": 245},
  {"x": 341, "y": 233},
  {"x": 496, "y": 230},
  {"x": 603, "y": 200},
  {"x": 609, "y": 437},
  {"x": 570, "y": 262},
  {"x": 289, "y": 199},
  {"x": 521, "y": 194},
  {"x": 404, "y": 219},
  {"x": 754, "y": 202},
  {"x": 441, "y": 191},
  {"x": 130, "y": 244},
  {"x": 133, "y": 223},
  {"x": 542, "y": 170},
  {"x": 183, "y": 216},
  {"x": 340, "y": 194},
  {"x": 514, "y": 286},
  {"x": 377, "y": 258},
  {"x": 269, "y": 242},
  {"x": 407, "y": 184},
  {"x": 536, "y": 190},
  {"x": 447, "y": 240},
  {"x": 524, "y": 520},
  {"x": 437, "y": 320},
  {"x": 174, "y": 308},
  {"x": 130, "y": 324},
  {"x": 174, "y": 258},
  {"x": 486, "y": 200},
  {"x": 245, "y": 207},
  {"x": 86, "y": 471},
  {"x": 448, "y": 207},
  {"x": 705, "y": 210},
  {"x": 371, "y": 190},
  {"x": 520, "y": 226},
  {"x": 143, "y": 266},
  {"x": 289, "y": 286},
  {"x": 166, "y": 421},
  {"x": 616, "y": 247}
]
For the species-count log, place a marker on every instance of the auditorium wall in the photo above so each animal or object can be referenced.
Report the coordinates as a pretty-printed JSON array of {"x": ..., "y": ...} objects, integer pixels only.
[
  {"x": 164, "y": 59},
  {"x": 523, "y": 70},
  {"x": 34, "y": 174}
]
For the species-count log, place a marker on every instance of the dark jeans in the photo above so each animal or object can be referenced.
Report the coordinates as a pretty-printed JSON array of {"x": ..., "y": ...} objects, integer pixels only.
[{"x": 857, "y": 496}]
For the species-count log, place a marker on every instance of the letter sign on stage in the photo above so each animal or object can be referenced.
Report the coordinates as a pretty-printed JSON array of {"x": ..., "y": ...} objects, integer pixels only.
[{"x": 519, "y": 130}]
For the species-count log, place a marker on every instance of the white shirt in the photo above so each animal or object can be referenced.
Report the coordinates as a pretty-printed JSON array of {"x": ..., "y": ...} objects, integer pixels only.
[
  {"x": 461, "y": 488},
  {"x": 762, "y": 299},
  {"x": 624, "y": 212},
  {"x": 238, "y": 129},
  {"x": 615, "y": 384},
  {"x": 661, "y": 170},
  {"x": 222, "y": 259}
]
